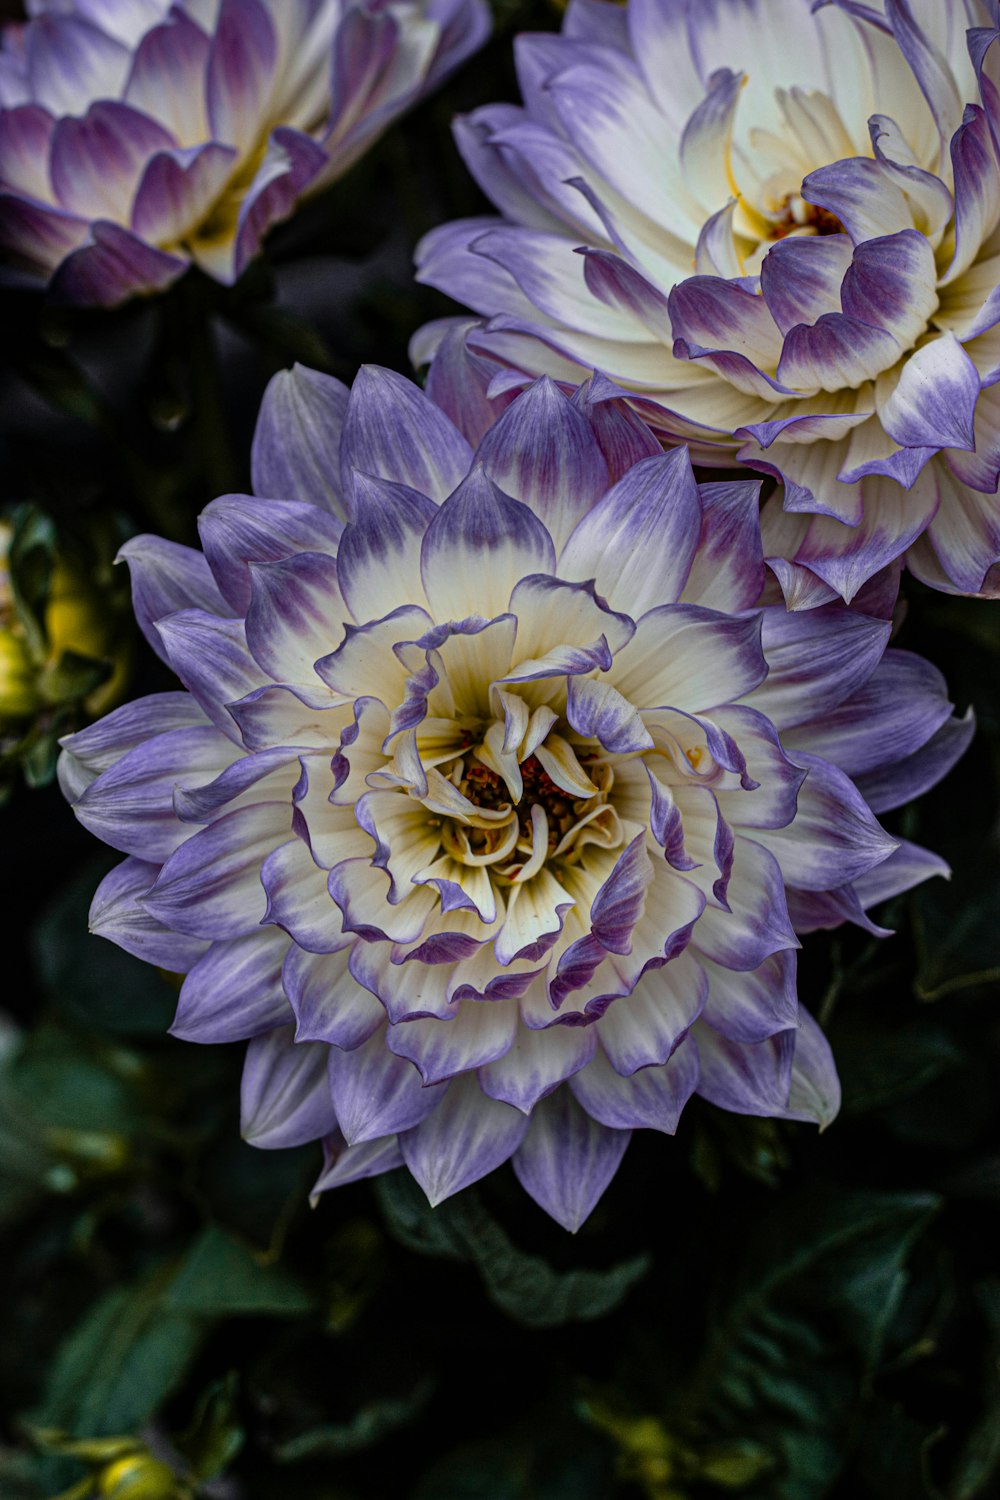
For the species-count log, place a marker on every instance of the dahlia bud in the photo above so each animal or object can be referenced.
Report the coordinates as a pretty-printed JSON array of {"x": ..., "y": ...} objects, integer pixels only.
[
  {"x": 138, "y": 1476},
  {"x": 18, "y": 693}
]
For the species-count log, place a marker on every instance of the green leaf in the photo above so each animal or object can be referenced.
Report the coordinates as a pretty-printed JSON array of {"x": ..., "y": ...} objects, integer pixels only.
[
  {"x": 122, "y": 1360},
  {"x": 220, "y": 1276},
  {"x": 521, "y": 1285},
  {"x": 366, "y": 1428},
  {"x": 812, "y": 1316},
  {"x": 979, "y": 1462}
]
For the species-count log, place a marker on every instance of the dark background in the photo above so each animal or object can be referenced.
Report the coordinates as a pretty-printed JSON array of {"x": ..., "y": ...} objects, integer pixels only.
[{"x": 752, "y": 1309}]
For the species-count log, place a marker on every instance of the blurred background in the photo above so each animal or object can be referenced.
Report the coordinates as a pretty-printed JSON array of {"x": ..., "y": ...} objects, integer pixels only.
[{"x": 752, "y": 1309}]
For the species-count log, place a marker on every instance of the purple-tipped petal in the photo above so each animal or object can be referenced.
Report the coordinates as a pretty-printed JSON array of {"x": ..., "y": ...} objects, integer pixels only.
[
  {"x": 815, "y": 1088},
  {"x": 113, "y": 265},
  {"x": 536, "y": 1063},
  {"x": 544, "y": 453},
  {"x": 379, "y": 558},
  {"x": 567, "y": 1159},
  {"x": 177, "y": 190},
  {"x": 934, "y": 401},
  {"x": 653, "y": 1097},
  {"x": 118, "y": 913},
  {"x": 834, "y": 837},
  {"x": 236, "y": 530},
  {"x": 285, "y": 1094},
  {"x": 344, "y": 1164},
  {"x": 211, "y": 658},
  {"x": 832, "y": 649},
  {"x": 376, "y": 1093},
  {"x": 211, "y": 887},
  {"x": 298, "y": 899},
  {"x": 240, "y": 69},
  {"x": 296, "y": 614},
  {"x": 747, "y": 1078},
  {"x": 167, "y": 577},
  {"x": 391, "y": 430},
  {"x": 296, "y": 443},
  {"x": 234, "y": 992},
  {"x": 329, "y": 1004},
  {"x": 467, "y": 1136}
]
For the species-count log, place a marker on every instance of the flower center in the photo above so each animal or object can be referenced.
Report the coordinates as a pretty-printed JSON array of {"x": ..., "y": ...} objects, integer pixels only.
[{"x": 796, "y": 216}]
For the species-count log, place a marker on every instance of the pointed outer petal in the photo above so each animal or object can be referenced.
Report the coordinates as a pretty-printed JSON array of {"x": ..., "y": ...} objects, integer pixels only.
[
  {"x": 25, "y": 134},
  {"x": 297, "y": 614},
  {"x": 477, "y": 1034},
  {"x": 269, "y": 776},
  {"x": 893, "y": 714},
  {"x": 686, "y": 657},
  {"x": 272, "y": 716},
  {"x": 536, "y": 1063},
  {"x": 892, "y": 284},
  {"x": 458, "y": 379},
  {"x": 563, "y": 628},
  {"x": 544, "y": 453},
  {"x": 816, "y": 658},
  {"x": 892, "y": 519},
  {"x": 285, "y": 1094},
  {"x": 411, "y": 991},
  {"x": 365, "y": 664},
  {"x": 834, "y": 837},
  {"x": 477, "y": 547},
  {"x": 113, "y": 266},
  {"x": 167, "y": 577},
  {"x": 622, "y": 435},
  {"x": 468, "y": 1136},
  {"x": 167, "y": 79},
  {"x": 928, "y": 196},
  {"x": 210, "y": 657},
  {"x": 345, "y": 1164},
  {"x": 907, "y": 866},
  {"x": 298, "y": 900},
  {"x": 619, "y": 286},
  {"x": 296, "y": 443},
  {"x": 800, "y": 278},
  {"x": 653, "y": 1097},
  {"x": 645, "y": 1028},
  {"x": 567, "y": 1159},
  {"x": 536, "y": 910},
  {"x": 211, "y": 886},
  {"x": 815, "y": 1090},
  {"x": 178, "y": 189},
  {"x": 747, "y": 1078},
  {"x": 750, "y": 1007},
  {"x": 117, "y": 913},
  {"x": 131, "y": 805},
  {"x": 771, "y": 803},
  {"x": 934, "y": 401},
  {"x": 639, "y": 542},
  {"x": 406, "y": 840},
  {"x": 234, "y": 992},
  {"x": 292, "y": 163},
  {"x": 393, "y": 431},
  {"x": 838, "y": 351},
  {"x": 709, "y": 315},
  {"x": 931, "y": 70},
  {"x": 379, "y": 555},
  {"x": 361, "y": 892},
  {"x": 862, "y": 195},
  {"x": 93, "y": 749},
  {"x": 895, "y": 785},
  {"x": 240, "y": 70},
  {"x": 329, "y": 1004},
  {"x": 812, "y": 911},
  {"x": 594, "y": 708},
  {"x": 36, "y": 236},
  {"x": 376, "y": 1093},
  {"x": 239, "y": 529},
  {"x": 977, "y": 190},
  {"x": 96, "y": 159},
  {"x": 757, "y": 922},
  {"x": 727, "y": 572}
]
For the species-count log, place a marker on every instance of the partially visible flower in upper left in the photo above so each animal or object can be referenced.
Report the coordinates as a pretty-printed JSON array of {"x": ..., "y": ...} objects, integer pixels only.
[{"x": 139, "y": 136}]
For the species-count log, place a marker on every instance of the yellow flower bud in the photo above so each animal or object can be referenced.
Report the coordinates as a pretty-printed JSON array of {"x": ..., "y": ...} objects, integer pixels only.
[{"x": 138, "y": 1476}]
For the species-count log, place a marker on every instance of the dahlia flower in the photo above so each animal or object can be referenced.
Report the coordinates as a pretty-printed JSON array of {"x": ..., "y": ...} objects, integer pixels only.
[
  {"x": 776, "y": 223},
  {"x": 137, "y": 136},
  {"x": 494, "y": 802}
]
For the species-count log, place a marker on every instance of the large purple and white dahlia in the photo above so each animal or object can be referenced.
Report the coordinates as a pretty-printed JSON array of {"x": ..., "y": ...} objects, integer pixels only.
[
  {"x": 494, "y": 801},
  {"x": 776, "y": 223},
  {"x": 139, "y": 136}
]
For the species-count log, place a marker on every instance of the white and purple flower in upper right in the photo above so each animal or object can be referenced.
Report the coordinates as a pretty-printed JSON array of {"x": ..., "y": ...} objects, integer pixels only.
[{"x": 776, "y": 226}]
